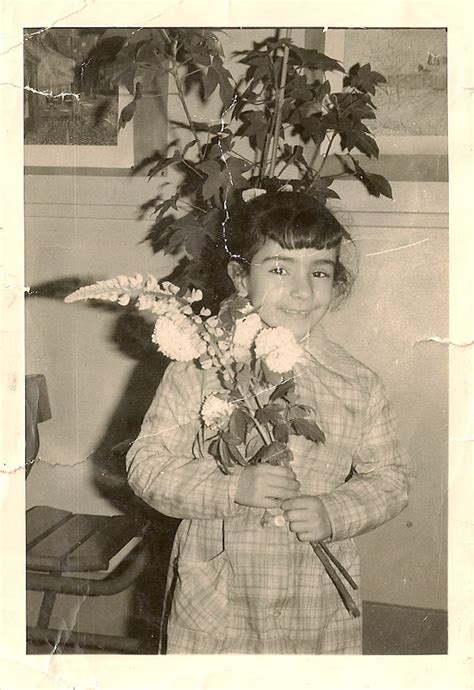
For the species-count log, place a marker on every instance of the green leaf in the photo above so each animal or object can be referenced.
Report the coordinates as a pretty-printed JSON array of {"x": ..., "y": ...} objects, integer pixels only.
[
  {"x": 269, "y": 413},
  {"x": 243, "y": 379},
  {"x": 230, "y": 438},
  {"x": 322, "y": 190},
  {"x": 312, "y": 58},
  {"x": 237, "y": 456},
  {"x": 281, "y": 432},
  {"x": 211, "y": 80},
  {"x": 378, "y": 185},
  {"x": 221, "y": 176},
  {"x": 276, "y": 453},
  {"x": 226, "y": 90},
  {"x": 213, "y": 448},
  {"x": 299, "y": 411},
  {"x": 225, "y": 457},
  {"x": 165, "y": 206},
  {"x": 299, "y": 89},
  {"x": 308, "y": 429},
  {"x": 356, "y": 135},
  {"x": 164, "y": 163},
  {"x": 283, "y": 389},
  {"x": 260, "y": 68},
  {"x": 355, "y": 105},
  {"x": 374, "y": 183},
  {"x": 238, "y": 425},
  {"x": 255, "y": 126},
  {"x": 363, "y": 78},
  {"x": 188, "y": 231}
]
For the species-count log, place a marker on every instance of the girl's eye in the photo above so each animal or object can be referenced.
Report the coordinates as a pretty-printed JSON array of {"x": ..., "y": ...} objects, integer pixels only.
[
  {"x": 278, "y": 270},
  {"x": 321, "y": 274}
]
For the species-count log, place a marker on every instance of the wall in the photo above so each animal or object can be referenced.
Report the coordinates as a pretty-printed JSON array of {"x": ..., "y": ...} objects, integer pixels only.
[
  {"x": 100, "y": 383},
  {"x": 400, "y": 300}
]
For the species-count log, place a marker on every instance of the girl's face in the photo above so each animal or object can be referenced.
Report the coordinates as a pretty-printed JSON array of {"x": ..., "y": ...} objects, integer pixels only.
[{"x": 289, "y": 287}]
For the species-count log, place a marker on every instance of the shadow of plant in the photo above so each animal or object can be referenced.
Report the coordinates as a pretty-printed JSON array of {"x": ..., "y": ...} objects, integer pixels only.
[{"x": 131, "y": 335}]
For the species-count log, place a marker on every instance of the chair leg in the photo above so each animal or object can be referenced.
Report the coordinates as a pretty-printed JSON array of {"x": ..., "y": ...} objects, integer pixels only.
[{"x": 46, "y": 609}]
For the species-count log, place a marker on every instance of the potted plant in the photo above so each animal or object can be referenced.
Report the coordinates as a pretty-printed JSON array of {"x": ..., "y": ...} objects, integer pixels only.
[{"x": 278, "y": 124}]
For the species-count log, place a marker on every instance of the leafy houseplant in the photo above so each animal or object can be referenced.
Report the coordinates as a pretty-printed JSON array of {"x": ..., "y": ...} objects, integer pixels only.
[{"x": 278, "y": 124}]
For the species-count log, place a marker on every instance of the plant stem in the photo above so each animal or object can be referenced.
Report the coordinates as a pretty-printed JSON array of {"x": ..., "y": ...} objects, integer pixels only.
[
  {"x": 218, "y": 354},
  {"x": 179, "y": 86},
  {"x": 279, "y": 104},
  {"x": 325, "y": 157},
  {"x": 257, "y": 402}
]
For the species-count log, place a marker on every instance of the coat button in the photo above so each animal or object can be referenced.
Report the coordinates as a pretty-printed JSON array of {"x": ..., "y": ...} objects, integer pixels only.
[{"x": 279, "y": 520}]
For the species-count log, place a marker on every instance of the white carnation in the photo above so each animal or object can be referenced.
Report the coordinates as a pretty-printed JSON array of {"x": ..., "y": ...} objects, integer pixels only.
[
  {"x": 278, "y": 348},
  {"x": 178, "y": 338},
  {"x": 215, "y": 411},
  {"x": 246, "y": 329}
]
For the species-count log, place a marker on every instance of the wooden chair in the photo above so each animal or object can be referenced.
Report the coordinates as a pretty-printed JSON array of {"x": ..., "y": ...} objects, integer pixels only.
[{"x": 79, "y": 554}]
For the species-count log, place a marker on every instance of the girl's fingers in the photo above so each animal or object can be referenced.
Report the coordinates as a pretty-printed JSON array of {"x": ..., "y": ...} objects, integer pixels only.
[
  {"x": 269, "y": 502},
  {"x": 288, "y": 485},
  {"x": 280, "y": 494},
  {"x": 298, "y": 526},
  {"x": 278, "y": 471},
  {"x": 305, "y": 536},
  {"x": 282, "y": 481},
  {"x": 294, "y": 515}
]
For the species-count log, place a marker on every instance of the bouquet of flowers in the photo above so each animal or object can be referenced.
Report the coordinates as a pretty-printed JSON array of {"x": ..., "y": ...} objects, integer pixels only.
[{"x": 251, "y": 416}]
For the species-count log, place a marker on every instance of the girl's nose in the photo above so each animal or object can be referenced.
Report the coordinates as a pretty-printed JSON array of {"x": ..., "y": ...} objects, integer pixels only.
[{"x": 300, "y": 288}]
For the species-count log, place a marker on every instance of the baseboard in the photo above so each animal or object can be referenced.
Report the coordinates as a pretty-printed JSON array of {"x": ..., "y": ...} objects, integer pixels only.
[{"x": 392, "y": 629}]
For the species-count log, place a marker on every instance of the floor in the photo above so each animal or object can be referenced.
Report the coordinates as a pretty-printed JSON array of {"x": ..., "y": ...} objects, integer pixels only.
[{"x": 388, "y": 629}]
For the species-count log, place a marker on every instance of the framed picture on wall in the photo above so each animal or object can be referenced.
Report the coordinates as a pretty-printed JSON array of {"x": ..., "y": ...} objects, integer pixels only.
[
  {"x": 412, "y": 114},
  {"x": 76, "y": 113}
]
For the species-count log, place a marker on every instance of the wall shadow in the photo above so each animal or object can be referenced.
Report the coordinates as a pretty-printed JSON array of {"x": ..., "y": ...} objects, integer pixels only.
[{"x": 131, "y": 335}]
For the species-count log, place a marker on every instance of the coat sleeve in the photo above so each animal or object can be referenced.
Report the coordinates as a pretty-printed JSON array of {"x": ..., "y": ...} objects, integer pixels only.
[
  {"x": 160, "y": 464},
  {"x": 378, "y": 489}
]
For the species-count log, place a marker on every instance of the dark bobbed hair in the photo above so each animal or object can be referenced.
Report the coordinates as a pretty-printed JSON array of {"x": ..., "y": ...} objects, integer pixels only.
[{"x": 294, "y": 221}]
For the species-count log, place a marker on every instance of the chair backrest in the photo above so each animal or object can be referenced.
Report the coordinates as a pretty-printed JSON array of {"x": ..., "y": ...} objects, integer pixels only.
[{"x": 37, "y": 410}]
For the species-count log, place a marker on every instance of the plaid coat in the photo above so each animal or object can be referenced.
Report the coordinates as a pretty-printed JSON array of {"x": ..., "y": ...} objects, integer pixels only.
[{"x": 243, "y": 588}]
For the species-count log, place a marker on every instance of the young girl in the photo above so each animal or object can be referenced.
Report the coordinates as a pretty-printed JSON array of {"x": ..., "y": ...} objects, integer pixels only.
[{"x": 238, "y": 586}]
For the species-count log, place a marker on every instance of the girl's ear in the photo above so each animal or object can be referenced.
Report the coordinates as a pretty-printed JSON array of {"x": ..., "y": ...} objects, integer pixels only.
[{"x": 237, "y": 274}]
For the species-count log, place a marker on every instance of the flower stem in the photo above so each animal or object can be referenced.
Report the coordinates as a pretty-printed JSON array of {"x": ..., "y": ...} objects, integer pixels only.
[{"x": 348, "y": 601}]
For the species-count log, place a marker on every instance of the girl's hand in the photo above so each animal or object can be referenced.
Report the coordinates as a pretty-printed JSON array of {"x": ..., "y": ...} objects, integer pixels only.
[
  {"x": 265, "y": 486},
  {"x": 307, "y": 517}
]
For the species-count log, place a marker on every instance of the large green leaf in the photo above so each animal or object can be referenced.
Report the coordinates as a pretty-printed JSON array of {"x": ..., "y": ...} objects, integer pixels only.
[
  {"x": 308, "y": 429},
  {"x": 167, "y": 205},
  {"x": 225, "y": 79},
  {"x": 276, "y": 453},
  {"x": 164, "y": 162},
  {"x": 282, "y": 390},
  {"x": 238, "y": 425},
  {"x": 364, "y": 78},
  {"x": 281, "y": 432},
  {"x": 270, "y": 413},
  {"x": 255, "y": 126},
  {"x": 307, "y": 57},
  {"x": 221, "y": 176},
  {"x": 375, "y": 184}
]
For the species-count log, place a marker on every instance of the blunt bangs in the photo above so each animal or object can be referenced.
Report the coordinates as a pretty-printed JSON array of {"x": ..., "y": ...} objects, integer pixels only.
[{"x": 305, "y": 229}]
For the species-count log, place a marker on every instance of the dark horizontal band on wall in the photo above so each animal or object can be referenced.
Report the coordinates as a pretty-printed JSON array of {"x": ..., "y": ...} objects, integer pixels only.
[
  {"x": 394, "y": 629},
  {"x": 399, "y": 167},
  {"x": 395, "y": 167}
]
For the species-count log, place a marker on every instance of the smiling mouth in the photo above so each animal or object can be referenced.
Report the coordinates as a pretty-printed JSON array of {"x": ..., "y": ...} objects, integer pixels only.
[{"x": 297, "y": 312}]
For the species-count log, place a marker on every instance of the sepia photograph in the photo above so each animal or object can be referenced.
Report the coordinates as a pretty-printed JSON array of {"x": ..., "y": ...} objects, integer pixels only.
[
  {"x": 237, "y": 245},
  {"x": 202, "y": 452}
]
